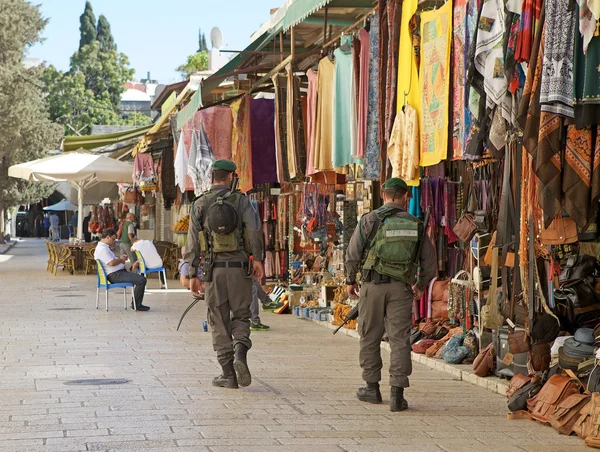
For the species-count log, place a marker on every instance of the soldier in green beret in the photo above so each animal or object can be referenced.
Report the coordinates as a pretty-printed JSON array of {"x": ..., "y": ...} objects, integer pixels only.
[
  {"x": 384, "y": 248},
  {"x": 224, "y": 232}
]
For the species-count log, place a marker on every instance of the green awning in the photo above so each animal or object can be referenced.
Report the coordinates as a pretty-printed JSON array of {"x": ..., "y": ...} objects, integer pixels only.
[
  {"x": 299, "y": 10},
  {"x": 73, "y": 143}
]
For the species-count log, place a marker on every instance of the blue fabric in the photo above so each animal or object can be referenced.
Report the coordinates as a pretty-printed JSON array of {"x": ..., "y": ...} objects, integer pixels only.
[{"x": 415, "y": 203}]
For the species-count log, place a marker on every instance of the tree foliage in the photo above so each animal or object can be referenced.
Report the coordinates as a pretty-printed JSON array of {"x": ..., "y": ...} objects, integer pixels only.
[
  {"x": 87, "y": 26},
  {"x": 202, "y": 47},
  {"x": 27, "y": 131},
  {"x": 194, "y": 63},
  {"x": 105, "y": 37}
]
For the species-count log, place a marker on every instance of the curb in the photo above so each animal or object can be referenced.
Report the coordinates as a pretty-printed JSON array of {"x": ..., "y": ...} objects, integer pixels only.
[
  {"x": 4, "y": 248},
  {"x": 463, "y": 372}
]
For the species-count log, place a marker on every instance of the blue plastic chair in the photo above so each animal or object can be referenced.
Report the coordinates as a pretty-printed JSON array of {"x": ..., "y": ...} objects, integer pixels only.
[
  {"x": 144, "y": 270},
  {"x": 103, "y": 282}
]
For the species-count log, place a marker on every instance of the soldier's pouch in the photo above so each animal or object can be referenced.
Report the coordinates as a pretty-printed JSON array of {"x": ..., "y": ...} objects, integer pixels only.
[{"x": 203, "y": 241}]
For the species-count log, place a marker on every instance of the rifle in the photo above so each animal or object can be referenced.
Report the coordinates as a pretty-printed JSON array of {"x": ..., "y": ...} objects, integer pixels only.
[{"x": 353, "y": 314}]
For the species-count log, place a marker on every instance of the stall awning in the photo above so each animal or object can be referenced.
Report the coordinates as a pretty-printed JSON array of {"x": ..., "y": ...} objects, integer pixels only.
[
  {"x": 97, "y": 141},
  {"x": 299, "y": 10}
]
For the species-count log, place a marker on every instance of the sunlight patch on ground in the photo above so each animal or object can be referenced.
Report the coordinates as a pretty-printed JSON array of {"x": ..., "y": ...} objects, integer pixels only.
[{"x": 5, "y": 258}]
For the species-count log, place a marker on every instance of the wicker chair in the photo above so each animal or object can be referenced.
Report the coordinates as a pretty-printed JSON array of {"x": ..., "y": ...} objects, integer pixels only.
[
  {"x": 168, "y": 253},
  {"x": 90, "y": 262},
  {"x": 64, "y": 259},
  {"x": 50, "y": 264}
]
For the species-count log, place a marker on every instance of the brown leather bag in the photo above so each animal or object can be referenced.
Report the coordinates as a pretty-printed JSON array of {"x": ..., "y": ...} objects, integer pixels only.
[
  {"x": 540, "y": 356},
  {"x": 591, "y": 425},
  {"x": 518, "y": 342},
  {"x": 583, "y": 425},
  {"x": 485, "y": 361},
  {"x": 133, "y": 196},
  {"x": 568, "y": 412},
  {"x": 556, "y": 389},
  {"x": 439, "y": 290},
  {"x": 465, "y": 227},
  {"x": 516, "y": 383},
  {"x": 439, "y": 310},
  {"x": 560, "y": 232},
  {"x": 422, "y": 346},
  {"x": 428, "y": 327}
]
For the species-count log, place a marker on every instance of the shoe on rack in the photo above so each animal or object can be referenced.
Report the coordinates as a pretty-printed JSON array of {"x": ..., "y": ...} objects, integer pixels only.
[
  {"x": 369, "y": 393},
  {"x": 258, "y": 326},
  {"x": 397, "y": 400},
  {"x": 227, "y": 379}
]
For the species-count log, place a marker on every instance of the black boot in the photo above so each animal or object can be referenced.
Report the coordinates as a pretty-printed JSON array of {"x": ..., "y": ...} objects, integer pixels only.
[
  {"x": 240, "y": 363},
  {"x": 369, "y": 393},
  {"x": 397, "y": 400},
  {"x": 227, "y": 379}
]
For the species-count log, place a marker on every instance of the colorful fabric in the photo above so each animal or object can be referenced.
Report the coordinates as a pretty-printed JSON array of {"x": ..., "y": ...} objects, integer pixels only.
[
  {"x": 587, "y": 83},
  {"x": 556, "y": 86},
  {"x": 241, "y": 153},
  {"x": 581, "y": 178},
  {"x": 181, "y": 164},
  {"x": 291, "y": 119},
  {"x": 547, "y": 165},
  {"x": 280, "y": 84},
  {"x": 530, "y": 13},
  {"x": 344, "y": 118},
  {"x": 394, "y": 8},
  {"x": 382, "y": 95},
  {"x": 589, "y": 13},
  {"x": 218, "y": 125},
  {"x": 323, "y": 142},
  {"x": 200, "y": 162},
  {"x": 299, "y": 130},
  {"x": 262, "y": 125},
  {"x": 403, "y": 148},
  {"x": 363, "y": 91},
  {"x": 409, "y": 92},
  {"x": 459, "y": 78},
  {"x": 436, "y": 35},
  {"x": 311, "y": 119},
  {"x": 372, "y": 162}
]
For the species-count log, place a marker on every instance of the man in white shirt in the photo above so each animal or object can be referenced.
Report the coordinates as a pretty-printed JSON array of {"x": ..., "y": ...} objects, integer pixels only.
[
  {"x": 151, "y": 257},
  {"x": 115, "y": 267}
]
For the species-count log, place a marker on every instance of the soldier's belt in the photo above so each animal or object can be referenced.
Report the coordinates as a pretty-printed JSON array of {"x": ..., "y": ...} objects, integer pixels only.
[{"x": 230, "y": 265}]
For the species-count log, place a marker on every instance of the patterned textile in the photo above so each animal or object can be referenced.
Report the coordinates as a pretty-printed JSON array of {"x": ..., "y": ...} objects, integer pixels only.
[
  {"x": 459, "y": 78},
  {"x": 527, "y": 29},
  {"x": 280, "y": 84},
  {"x": 200, "y": 161},
  {"x": 218, "y": 125},
  {"x": 557, "y": 74},
  {"x": 436, "y": 35},
  {"x": 291, "y": 119},
  {"x": 323, "y": 141},
  {"x": 242, "y": 142},
  {"x": 363, "y": 91},
  {"x": 587, "y": 83},
  {"x": 311, "y": 118},
  {"x": 394, "y": 12},
  {"x": 262, "y": 124},
  {"x": 403, "y": 148},
  {"x": 409, "y": 93},
  {"x": 450, "y": 213},
  {"x": 581, "y": 178},
  {"x": 589, "y": 13},
  {"x": 384, "y": 33},
  {"x": 299, "y": 130},
  {"x": 372, "y": 162},
  {"x": 547, "y": 165}
]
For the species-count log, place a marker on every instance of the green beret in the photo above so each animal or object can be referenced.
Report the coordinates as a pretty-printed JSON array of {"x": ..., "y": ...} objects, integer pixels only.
[
  {"x": 225, "y": 165},
  {"x": 395, "y": 183}
]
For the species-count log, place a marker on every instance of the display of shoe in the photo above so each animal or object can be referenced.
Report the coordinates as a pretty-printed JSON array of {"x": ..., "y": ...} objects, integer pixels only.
[{"x": 258, "y": 326}]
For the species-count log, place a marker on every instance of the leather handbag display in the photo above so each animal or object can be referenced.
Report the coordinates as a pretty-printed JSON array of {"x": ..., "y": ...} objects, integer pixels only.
[
  {"x": 482, "y": 220},
  {"x": 592, "y": 438},
  {"x": 594, "y": 379},
  {"x": 485, "y": 362},
  {"x": 491, "y": 316},
  {"x": 568, "y": 412},
  {"x": 560, "y": 232},
  {"x": 465, "y": 227},
  {"x": 516, "y": 383},
  {"x": 540, "y": 356},
  {"x": 579, "y": 267},
  {"x": 577, "y": 305},
  {"x": 518, "y": 401},
  {"x": 583, "y": 425},
  {"x": 518, "y": 342},
  {"x": 556, "y": 389},
  {"x": 439, "y": 310},
  {"x": 422, "y": 346}
]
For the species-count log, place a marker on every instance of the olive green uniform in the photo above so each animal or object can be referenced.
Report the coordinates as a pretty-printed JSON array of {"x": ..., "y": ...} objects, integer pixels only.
[
  {"x": 229, "y": 294},
  {"x": 385, "y": 306}
]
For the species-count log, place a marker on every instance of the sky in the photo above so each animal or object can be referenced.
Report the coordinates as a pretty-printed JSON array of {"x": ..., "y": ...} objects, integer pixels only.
[{"x": 157, "y": 36}]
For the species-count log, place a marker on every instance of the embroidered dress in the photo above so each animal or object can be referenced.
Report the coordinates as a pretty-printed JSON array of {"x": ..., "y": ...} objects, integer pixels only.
[
  {"x": 372, "y": 162},
  {"x": 403, "y": 149}
]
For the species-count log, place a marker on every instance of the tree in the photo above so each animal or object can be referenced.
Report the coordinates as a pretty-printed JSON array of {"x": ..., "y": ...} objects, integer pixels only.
[
  {"x": 105, "y": 37},
  {"x": 27, "y": 131},
  {"x": 202, "y": 47},
  {"x": 194, "y": 63},
  {"x": 87, "y": 27}
]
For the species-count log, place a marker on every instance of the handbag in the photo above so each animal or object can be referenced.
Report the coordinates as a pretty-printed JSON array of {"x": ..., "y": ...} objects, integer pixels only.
[
  {"x": 455, "y": 351},
  {"x": 133, "y": 196},
  {"x": 556, "y": 389},
  {"x": 416, "y": 336},
  {"x": 490, "y": 314},
  {"x": 540, "y": 356},
  {"x": 518, "y": 342},
  {"x": 516, "y": 383},
  {"x": 465, "y": 227},
  {"x": 422, "y": 346},
  {"x": 591, "y": 429},
  {"x": 561, "y": 231},
  {"x": 439, "y": 310},
  {"x": 485, "y": 361},
  {"x": 579, "y": 267},
  {"x": 482, "y": 220},
  {"x": 518, "y": 401},
  {"x": 568, "y": 412},
  {"x": 577, "y": 305},
  {"x": 583, "y": 425}
]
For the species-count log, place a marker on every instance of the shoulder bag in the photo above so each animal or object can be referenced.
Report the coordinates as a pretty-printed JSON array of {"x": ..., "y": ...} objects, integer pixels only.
[{"x": 556, "y": 389}]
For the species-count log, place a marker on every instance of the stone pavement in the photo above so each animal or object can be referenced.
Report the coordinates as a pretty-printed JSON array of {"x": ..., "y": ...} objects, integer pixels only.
[{"x": 302, "y": 396}]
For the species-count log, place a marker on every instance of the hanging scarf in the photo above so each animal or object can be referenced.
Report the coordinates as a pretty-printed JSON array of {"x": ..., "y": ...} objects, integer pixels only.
[
  {"x": 372, "y": 162},
  {"x": 200, "y": 162}
]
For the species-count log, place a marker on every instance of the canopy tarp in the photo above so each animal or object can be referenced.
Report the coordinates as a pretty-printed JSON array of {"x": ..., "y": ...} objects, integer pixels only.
[
  {"x": 63, "y": 205},
  {"x": 73, "y": 143},
  {"x": 299, "y": 10},
  {"x": 83, "y": 171}
]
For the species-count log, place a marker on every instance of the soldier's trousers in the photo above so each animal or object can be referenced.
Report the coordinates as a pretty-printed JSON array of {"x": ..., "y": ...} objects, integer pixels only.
[
  {"x": 385, "y": 307},
  {"x": 228, "y": 297}
]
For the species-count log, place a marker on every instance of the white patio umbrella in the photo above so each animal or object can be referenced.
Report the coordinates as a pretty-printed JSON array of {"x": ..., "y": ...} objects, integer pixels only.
[
  {"x": 82, "y": 170},
  {"x": 62, "y": 206}
]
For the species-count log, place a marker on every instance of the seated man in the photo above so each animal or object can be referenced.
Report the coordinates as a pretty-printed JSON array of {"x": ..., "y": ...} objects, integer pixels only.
[
  {"x": 115, "y": 267},
  {"x": 150, "y": 255},
  {"x": 184, "y": 273}
]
